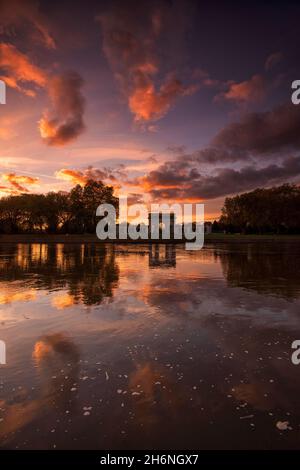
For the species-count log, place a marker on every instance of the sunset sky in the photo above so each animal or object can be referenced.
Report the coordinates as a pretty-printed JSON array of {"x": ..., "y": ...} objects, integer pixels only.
[{"x": 166, "y": 100}]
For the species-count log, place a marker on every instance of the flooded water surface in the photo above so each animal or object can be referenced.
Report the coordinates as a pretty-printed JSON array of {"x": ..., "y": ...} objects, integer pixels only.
[{"x": 133, "y": 346}]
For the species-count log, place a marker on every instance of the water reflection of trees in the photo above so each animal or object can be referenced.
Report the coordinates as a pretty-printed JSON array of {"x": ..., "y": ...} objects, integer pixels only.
[
  {"x": 273, "y": 269},
  {"x": 89, "y": 272}
]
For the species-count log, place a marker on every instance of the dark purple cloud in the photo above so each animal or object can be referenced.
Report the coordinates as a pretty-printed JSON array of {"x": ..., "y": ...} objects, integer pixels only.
[
  {"x": 65, "y": 121},
  {"x": 262, "y": 133},
  {"x": 176, "y": 180}
]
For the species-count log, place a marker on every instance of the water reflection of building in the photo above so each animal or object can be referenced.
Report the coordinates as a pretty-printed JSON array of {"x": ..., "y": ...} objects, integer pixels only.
[{"x": 162, "y": 256}]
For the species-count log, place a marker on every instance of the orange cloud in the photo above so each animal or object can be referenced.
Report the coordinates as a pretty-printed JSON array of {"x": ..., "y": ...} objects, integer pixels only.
[
  {"x": 24, "y": 13},
  {"x": 65, "y": 121},
  {"x": 73, "y": 176},
  {"x": 17, "y": 181},
  {"x": 130, "y": 45},
  {"x": 148, "y": 105},
  {"x": 19, "y": 70},
  {"x": 6, "y": 191},
  {"x": 82, "y": 176},
  {"x": 252, "y": 90}
]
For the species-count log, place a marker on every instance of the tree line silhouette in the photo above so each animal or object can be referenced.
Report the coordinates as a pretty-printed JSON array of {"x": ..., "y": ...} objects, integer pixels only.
[
  {"x": 273, "y": 210},
  {"x": 55, "y": 212}
]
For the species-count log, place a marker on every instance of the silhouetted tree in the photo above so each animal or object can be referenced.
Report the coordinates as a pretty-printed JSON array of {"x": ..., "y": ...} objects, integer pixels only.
[
  {"x": 273, "y": 210},
  {"x": 61, "y": 212}
]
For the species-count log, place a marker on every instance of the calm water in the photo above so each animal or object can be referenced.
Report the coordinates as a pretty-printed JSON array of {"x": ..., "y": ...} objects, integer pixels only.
[{"x": 127, "y": 347}]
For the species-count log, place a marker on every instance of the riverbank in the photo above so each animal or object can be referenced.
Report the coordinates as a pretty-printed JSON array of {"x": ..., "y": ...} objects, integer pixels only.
[{"x": 91, "y": 238}]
